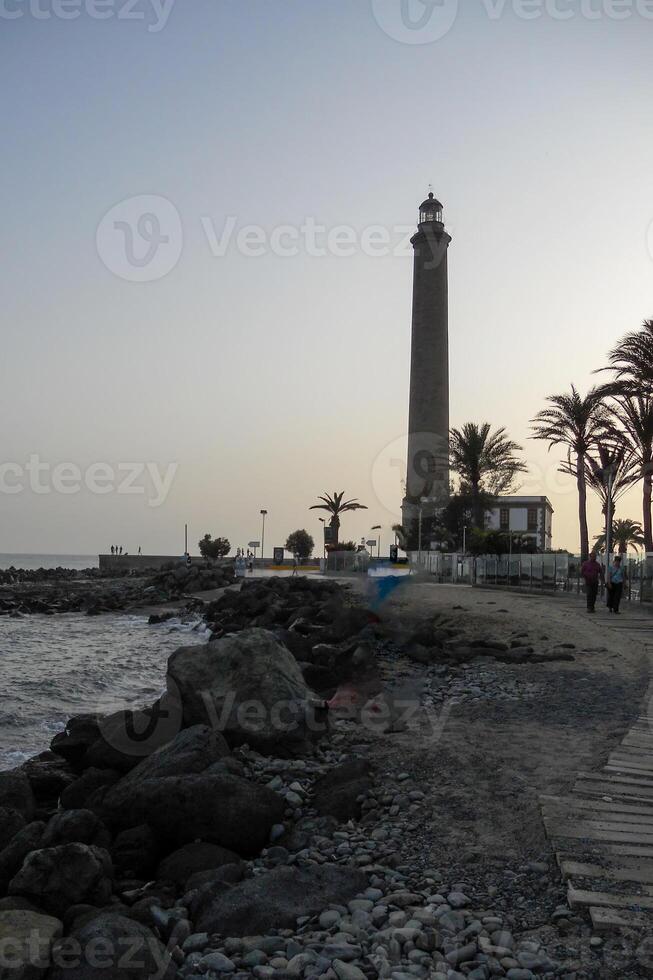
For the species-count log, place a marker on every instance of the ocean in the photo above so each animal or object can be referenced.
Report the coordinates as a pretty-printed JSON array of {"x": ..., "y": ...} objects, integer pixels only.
[
  {"x": 52, "y": 667},
  {"x": 48, "y": 561}
]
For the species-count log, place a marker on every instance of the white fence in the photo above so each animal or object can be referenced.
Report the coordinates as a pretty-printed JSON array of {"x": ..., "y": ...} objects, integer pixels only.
[{"x": 553, "y": 573}]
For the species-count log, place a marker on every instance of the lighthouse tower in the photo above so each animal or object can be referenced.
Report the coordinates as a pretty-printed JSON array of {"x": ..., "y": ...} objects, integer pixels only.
[{"x": 427, "y": 478}]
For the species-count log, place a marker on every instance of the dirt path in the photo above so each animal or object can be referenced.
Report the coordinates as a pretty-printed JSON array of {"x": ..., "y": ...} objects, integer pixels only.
[{"x": 496, "y": 736}]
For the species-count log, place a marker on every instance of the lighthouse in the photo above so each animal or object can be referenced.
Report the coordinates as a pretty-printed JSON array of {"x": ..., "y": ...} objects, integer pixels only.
[{"x": 427, "y": 476}]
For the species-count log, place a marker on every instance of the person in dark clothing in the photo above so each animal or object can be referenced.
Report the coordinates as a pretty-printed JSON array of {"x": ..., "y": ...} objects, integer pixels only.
[
  {"x": 615, "y": 585},
  {"x": 592, "y": 572}
]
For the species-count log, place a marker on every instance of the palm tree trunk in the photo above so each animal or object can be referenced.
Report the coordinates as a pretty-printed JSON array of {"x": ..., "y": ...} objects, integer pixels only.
[
  {"x": 477, "y": 507},
  {"x": 646, "y": 523},
  {"x": 582, "y": 507},
  {"x": 335, "y": 524}
]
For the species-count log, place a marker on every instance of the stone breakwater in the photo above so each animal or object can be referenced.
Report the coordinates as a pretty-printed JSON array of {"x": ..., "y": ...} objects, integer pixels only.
[
  {"x": 247, "y": 825},
  {"x": 60, "y": 590}
]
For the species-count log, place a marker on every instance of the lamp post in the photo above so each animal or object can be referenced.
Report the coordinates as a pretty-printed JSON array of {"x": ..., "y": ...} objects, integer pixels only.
[
  {"x": 323, "y": 523},
  {"x": 263, "y": 515}
]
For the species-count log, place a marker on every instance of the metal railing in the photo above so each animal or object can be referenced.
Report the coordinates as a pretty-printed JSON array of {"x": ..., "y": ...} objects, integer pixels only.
[{"x": 532, "y": 573}]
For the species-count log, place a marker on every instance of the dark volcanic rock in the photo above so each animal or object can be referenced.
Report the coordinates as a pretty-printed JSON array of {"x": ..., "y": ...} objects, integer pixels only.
[
  {"x": 196, "y": 857},
  {"x": 216, "y": 878},
  {"x": 49, "y": 775},
  {"x": 130, "y": 951},
  {"x": 218, "y": 808},
  {"x": 11, "y": 821},
  {"x": 57, "y": 877},
  {"x": 336, "y": 794},
  {"x": 78, "y": 792},
  {"x": 118, "y": 741},
  {"x": 275, "y": 900},
  {"x": 26, "y": 938},
  {"x": 192, "y": 751},
  {"x": 75, "y": 827},
  {"x": 74, "y": 742},
  {"x": 16, "y": 793},
  {"x": 135, "y": 852},
  {"x": 248, "y": 686},
  {"x": 350, "y": 621},
  {"x": 26, "y": 840}
]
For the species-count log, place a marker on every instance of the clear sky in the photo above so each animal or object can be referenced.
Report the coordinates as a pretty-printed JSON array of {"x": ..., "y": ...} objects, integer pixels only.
[{"x": 269, "y": 378}]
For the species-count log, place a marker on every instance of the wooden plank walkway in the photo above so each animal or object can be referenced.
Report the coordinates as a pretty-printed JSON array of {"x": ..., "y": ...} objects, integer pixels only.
[{"x": 602, "y": 832}]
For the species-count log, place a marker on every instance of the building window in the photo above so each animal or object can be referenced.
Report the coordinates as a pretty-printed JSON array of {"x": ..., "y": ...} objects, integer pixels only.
[
  {"x": 504, "y": 519},
  {"x": 532, "y": 519}
]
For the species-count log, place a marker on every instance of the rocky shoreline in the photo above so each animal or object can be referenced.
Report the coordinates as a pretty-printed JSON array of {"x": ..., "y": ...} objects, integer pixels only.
[
  {"x": 60, "y": 590},
  {"x": 257, "y": 821}
]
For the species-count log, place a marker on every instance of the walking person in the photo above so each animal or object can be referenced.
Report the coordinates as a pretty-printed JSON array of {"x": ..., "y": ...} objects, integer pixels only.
[
  {"x": 111, "y": 549},
  {"x": 592, "y": 572},
  {"x": 615, "y": 585}
]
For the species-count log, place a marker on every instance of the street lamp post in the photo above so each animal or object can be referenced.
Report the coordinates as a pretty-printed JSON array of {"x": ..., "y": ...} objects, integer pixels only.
[
  {"x": 263, "y": 515},
  {"x": 323, "y": 523}
]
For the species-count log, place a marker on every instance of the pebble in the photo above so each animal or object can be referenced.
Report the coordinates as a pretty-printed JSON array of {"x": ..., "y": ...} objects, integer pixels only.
[
  {"x": 196, "y": 943},
  {"x": 347, "y": 971},
  {"x": 217, "y": 963},
  {"x": 329, "y": 919}
]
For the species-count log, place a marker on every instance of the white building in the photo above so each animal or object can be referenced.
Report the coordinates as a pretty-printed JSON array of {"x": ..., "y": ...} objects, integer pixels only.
[{"x": 529, "y": 517}]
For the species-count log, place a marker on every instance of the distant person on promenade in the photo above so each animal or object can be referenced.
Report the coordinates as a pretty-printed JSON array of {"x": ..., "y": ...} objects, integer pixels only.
[
  {"x": 120, "y": 549},
  {"x": 592, "y": 572},
  {"x": 295, "y": 565},
  {"x": 615, "y": 585},
  {"x": 112, "y": 550},
  {"x": 139, "y": 550}
]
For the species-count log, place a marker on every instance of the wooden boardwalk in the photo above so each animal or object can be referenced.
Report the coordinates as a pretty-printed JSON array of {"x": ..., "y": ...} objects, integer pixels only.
[{"x": 602, "y": 833}]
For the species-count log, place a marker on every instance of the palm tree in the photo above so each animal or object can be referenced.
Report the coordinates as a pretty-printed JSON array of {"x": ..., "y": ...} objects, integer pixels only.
[
  {"x": 335, "y": 505},
  {"x": 486, "y": 463},
  {"x": 610, "y": 472},
  {"x": 578, "y": 423},
  {"x": 635, "y": 415},
  {"x": 401, "y": 535},
  {"x": 632, "y": 391},
  {"x": 632, "y": 361},
  {"x": 625, "y": 534}
]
